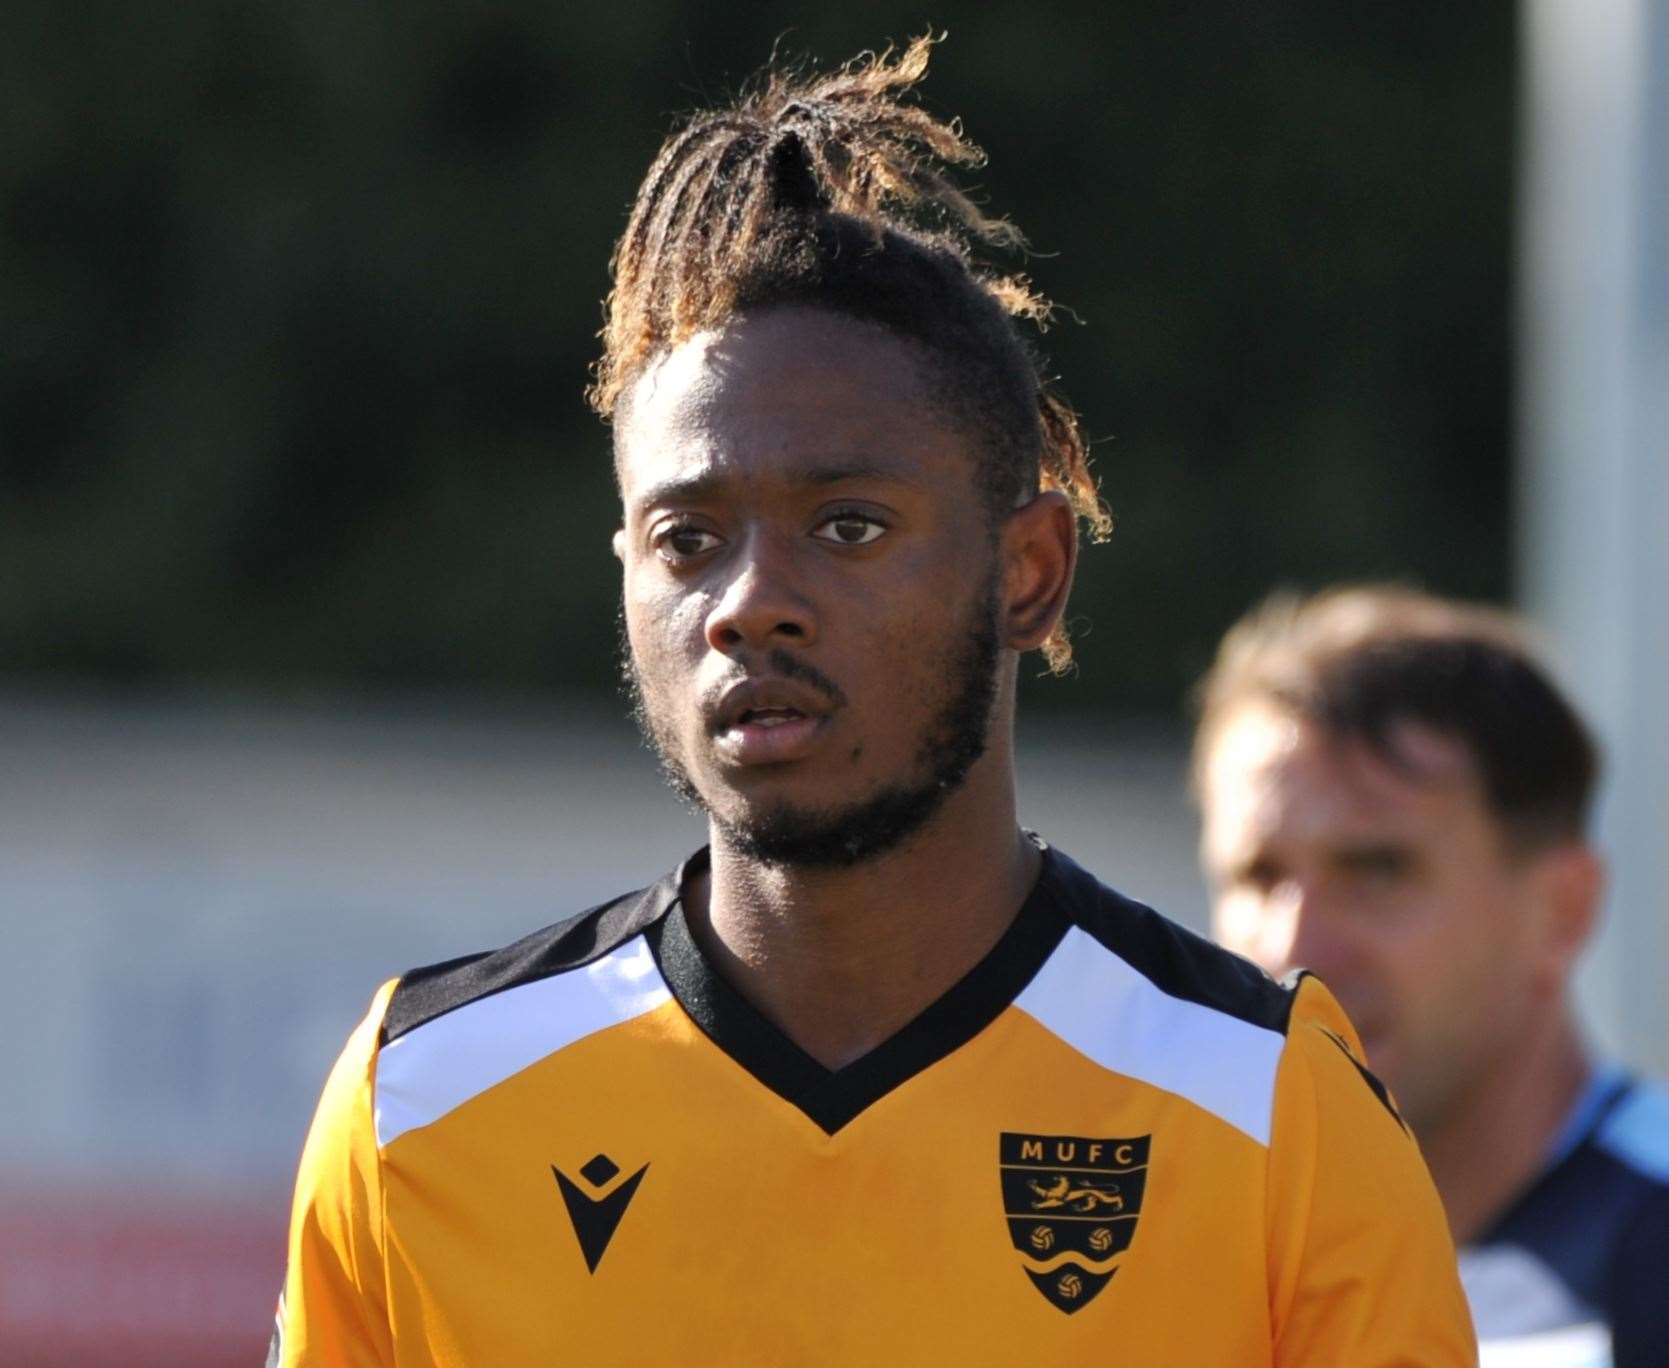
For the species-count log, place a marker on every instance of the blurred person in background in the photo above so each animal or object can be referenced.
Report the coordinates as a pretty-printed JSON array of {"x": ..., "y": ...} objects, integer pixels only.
[
  {"x": 1396, "y": 796},
  {"x": 878, "y": 1076}
]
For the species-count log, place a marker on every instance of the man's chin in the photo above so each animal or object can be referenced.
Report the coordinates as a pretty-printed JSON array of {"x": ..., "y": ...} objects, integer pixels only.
[
  {"x": 792, "y": 836},
  {"x": 1376, "y": 1044},
  {"x": 1378, "y": 1052},
  {"x": 1385, "y": 1060}
]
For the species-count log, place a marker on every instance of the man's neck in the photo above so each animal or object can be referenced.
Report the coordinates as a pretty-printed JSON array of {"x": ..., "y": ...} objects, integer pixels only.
[
  {"x": 1492, "y": 1147},
  {"x": 841, "y": 959}
]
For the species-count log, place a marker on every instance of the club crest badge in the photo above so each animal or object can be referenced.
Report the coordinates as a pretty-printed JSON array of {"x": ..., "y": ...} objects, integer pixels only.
[{"x": 1072, "y": 1205}]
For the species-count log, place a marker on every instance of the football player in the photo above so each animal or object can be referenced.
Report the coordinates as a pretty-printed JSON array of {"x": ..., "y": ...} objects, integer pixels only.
[
  {"x": 877, "y": 1076},
  {"x": 1396, "y": 796}
]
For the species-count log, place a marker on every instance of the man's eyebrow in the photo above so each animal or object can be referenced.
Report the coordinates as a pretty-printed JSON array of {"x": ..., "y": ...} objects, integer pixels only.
[
  {"x": 696, "y": 488},
  {"x": 856, "y": 470},
  {"x": 691, "y": 489},
  {"x": 1387, "y": 850}
]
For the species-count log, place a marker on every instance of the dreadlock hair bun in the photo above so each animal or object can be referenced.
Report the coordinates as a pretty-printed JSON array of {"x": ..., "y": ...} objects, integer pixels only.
[
  {"x": 830, "y": 191},
  {"x": 793, "y": 183}
]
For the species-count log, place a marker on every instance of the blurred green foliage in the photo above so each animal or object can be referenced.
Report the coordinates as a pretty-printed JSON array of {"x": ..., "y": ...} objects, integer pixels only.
[{"x": 297, "y": 301}]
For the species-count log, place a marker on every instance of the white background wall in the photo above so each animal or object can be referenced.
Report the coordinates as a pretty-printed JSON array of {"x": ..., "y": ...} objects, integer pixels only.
[{"x": 1593, "y": 479}]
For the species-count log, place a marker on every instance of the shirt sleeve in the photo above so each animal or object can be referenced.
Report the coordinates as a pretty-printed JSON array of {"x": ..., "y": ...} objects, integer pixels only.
[
  {"x": 1362, "y": 1267},
  {"x": 334, "y": 1308}
]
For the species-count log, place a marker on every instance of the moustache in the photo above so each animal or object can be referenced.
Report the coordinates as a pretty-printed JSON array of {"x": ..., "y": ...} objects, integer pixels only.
[{"x": 783, "y": 665}]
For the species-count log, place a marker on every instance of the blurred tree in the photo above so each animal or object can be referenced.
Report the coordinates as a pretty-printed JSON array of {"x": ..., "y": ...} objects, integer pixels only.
[{"x": 297, "y": 300}]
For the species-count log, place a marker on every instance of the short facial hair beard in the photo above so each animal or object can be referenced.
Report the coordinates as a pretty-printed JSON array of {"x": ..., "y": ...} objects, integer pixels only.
[{"x": 834, "y": 838}]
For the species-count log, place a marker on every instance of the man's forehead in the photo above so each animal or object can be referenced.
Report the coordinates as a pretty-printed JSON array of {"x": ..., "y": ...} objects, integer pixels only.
[
  {"x": 782, "y": 358},
  {"x": 1271, "y": 774},
  {"x": 787, "y": 388}
]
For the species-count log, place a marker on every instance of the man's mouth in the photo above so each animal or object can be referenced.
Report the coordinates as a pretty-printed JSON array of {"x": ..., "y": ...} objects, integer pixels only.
[
  {"x": 772, "y": 735},
  {"x": 768, "y": 717},
  {"x": 769, "y": 720}
]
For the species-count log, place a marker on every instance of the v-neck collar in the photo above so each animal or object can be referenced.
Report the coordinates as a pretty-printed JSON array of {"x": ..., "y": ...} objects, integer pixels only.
[{"x": 833, "y": 1097}]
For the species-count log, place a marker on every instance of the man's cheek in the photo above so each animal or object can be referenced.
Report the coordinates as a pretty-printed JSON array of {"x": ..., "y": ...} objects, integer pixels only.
[
  {"x": 1238, "y": 924},
  {"x": 669, "y": 620}
]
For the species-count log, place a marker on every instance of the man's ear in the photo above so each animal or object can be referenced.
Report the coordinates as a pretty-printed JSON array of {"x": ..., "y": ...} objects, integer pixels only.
[
  {"x": 1570, "y": 882},
  {"x": 619, "y": 544},
  {"x": 1039, "y": 548}
]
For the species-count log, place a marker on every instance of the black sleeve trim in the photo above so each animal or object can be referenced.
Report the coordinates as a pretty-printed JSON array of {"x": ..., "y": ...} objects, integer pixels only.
[
  {"x": 1176, "y": 961},
  {"x": 1369, "y": 1077},
  {"x": 436, "y": 989}
]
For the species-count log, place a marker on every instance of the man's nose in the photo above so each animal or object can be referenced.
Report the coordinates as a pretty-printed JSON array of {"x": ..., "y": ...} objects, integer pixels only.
[{"x": 763, "y": 603}]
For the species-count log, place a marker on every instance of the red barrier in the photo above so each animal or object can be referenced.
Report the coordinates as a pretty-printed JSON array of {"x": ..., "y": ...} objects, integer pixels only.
[{"x": 96, "y": 1278}]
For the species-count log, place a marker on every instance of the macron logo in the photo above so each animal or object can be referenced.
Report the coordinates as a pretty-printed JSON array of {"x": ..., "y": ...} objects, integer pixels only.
[{"x": 595, "y": 1218}]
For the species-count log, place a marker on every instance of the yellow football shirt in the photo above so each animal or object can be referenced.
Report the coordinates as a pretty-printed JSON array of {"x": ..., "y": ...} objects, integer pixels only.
[{"x": 1111, "y": 1142}]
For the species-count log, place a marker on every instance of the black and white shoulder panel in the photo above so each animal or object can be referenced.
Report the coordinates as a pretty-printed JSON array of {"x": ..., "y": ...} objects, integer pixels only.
[
  {"x": 455, "y": 1029},
  {"x": 1144, "y": 997}
]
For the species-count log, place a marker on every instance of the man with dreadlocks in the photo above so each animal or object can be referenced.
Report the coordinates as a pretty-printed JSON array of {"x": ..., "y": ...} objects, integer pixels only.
[{"x": 877, "y": 1077}]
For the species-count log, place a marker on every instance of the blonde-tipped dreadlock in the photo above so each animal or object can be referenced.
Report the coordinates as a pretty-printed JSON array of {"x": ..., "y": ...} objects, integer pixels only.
[{"x": 831, "y": 191}]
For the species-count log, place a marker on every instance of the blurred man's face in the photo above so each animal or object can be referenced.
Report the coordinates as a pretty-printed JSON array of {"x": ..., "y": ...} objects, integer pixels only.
[{"x": 1392, "y": 883}]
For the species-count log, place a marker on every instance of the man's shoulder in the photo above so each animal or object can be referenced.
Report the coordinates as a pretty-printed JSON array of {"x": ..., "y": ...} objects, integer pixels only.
[
  {"x": 1636, "y": 1136},
  {"x": 1613, "y": 1157},
  {"x": 1177, "y": 962},
  {"x": 1148, "y": 1000},
  {"x": 424, "y": 994},
  {"x": 1589, "y": 1238},
  {"x": 1635, "y": 1131}
]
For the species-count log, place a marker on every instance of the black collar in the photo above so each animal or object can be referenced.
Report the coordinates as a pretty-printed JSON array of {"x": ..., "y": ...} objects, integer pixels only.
[{"x": 832, "y": 1097}]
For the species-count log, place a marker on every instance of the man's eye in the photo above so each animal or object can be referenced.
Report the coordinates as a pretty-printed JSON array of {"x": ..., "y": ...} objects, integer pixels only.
[
  {"x": 1380, "y": 866},
  {"x": 1387, "y": 869},
  {"x": 1261, "y": 875},
  {"x": 850, "y": 529},
  {"x": 678, "y": 542}
]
